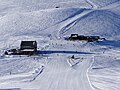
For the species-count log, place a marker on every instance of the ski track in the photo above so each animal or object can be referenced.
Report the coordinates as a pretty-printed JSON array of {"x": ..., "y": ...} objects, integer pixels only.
[
  {"x": 39, "y": 72},
  {"x": 71, "y": 22},
  {"x": 94, "y": 6}
]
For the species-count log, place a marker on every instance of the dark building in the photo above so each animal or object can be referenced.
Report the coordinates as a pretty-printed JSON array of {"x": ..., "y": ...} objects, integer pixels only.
[
  {"x": 28, "y": 45},
  {"x": 74, "y": 37},
  {"x": 26, "y": 48}
]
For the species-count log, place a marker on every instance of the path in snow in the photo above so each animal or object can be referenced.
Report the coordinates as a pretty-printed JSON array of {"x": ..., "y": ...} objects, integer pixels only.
[
  {"x": 58, "y": 74},
  {"x": 94, "y": 6}
]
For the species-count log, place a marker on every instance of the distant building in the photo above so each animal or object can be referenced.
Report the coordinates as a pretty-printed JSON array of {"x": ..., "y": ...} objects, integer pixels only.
[
  {"x": 74, "y": 37},
  {"x": 26, "y": 48},
  {"x": 29, "y": 45}
]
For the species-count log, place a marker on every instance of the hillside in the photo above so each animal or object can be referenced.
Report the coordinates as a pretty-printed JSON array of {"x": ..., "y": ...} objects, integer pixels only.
[
  {"x": 102, "y": 3},
  {"x": 103, "y": 23}
]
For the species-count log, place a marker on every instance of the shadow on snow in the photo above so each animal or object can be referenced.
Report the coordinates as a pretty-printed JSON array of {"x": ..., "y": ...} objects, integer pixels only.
[
  {"x": 11, "y": 89},
  {"x": 62, "y": 52},
  {"x": 110, "y": 43}
]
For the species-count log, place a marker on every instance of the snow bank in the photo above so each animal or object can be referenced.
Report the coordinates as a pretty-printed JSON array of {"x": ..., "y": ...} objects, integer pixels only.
[
  {"x": 17, "y": 65},
  {"x": 104, "y": 73},
  {"x": 102, "y": 62}
]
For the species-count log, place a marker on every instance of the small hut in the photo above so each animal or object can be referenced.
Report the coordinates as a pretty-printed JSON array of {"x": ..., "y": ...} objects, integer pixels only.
[{"x": 28, "y": 47}]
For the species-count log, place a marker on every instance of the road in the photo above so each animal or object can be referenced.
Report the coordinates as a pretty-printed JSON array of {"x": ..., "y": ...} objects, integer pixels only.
[{"x": 59, "y": 75}]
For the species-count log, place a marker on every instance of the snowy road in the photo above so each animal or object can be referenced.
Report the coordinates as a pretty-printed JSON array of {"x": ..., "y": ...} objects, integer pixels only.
[{"x": 58, "y": 75}]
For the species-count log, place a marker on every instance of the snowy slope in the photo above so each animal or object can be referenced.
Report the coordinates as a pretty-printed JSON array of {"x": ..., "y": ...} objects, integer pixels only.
[
  {"x": 104, "y": 23},
  {"x": 106, "y": 72},
  {"x": 33, "y": 21},
  {"x": 96, "y": 65},
  {"x": 102, "y": 3},
  {"x": 12, "y": 6}
]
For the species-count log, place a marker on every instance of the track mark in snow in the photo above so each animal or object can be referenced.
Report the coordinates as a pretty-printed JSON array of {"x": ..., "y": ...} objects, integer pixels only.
[
  {"x": 88, "y": 76},
  {"x": 73, "y": 62},
  {"x": 72, "y": 21},
  {"x": 39, "y": 71},
  {"x": 94, "y": 6}
]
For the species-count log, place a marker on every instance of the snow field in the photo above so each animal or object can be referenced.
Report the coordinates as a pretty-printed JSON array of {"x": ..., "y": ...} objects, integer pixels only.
[{"x": 96, "y": 64}]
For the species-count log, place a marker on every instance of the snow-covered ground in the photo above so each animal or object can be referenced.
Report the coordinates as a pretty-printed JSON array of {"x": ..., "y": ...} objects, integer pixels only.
[{"x": 96, "y": 64}]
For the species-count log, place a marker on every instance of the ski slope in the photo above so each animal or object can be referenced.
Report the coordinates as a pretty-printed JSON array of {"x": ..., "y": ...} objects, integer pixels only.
[{"x": 96, "y": 64}]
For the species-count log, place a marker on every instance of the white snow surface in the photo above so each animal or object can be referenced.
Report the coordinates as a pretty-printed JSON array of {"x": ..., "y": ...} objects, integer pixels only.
[{"x": 96, "y": 65}]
